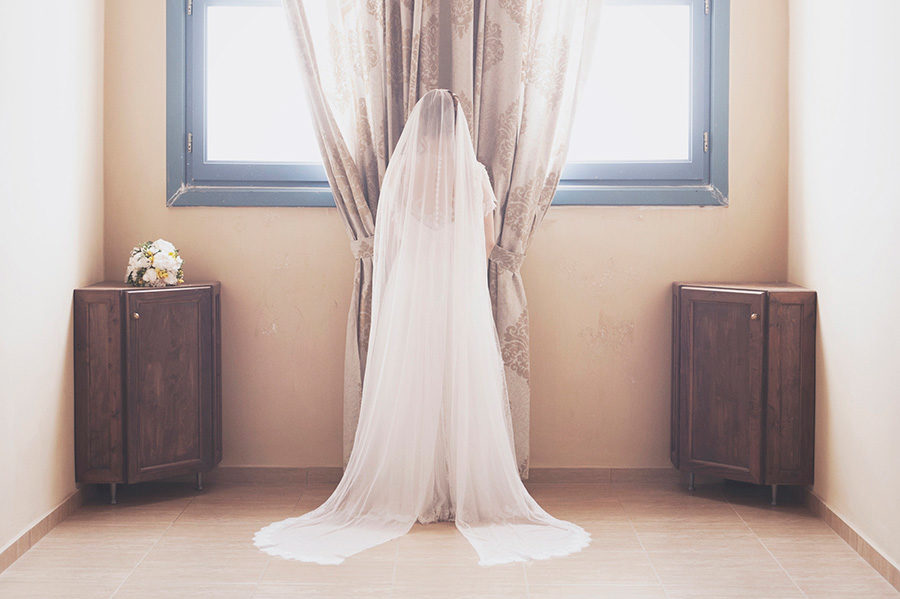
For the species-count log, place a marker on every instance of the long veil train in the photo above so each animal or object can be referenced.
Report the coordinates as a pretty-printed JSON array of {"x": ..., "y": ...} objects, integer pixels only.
[{"x": 434, "y": 439}]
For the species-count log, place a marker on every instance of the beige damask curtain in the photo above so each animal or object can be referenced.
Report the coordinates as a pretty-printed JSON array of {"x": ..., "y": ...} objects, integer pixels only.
[
  {"x": 515, "y": 64},
  {"x": 365, "y": 65}
]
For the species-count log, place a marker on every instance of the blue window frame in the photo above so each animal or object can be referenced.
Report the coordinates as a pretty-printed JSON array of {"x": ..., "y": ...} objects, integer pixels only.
[
  {"x": 195, "y": 180},
  {"x": 701, "y": 178}
]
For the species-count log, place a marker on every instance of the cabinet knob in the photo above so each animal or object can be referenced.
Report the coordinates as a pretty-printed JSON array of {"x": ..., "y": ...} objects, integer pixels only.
[
  {"x": 135, "y": 316},
  {"x": 753, "y": 316}
]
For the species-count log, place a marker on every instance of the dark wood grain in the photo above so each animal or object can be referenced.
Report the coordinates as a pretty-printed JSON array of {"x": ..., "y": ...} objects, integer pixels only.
[
  {"x": 791, "y": 388},
  {"x": 217, "y": 369},
  {"x": 99, "y": 386},
  {"x": 148, "y": 389},
  {"x": 169, "y": 396},
  {"x": 744, "y": 388},
  {"x": 721, "y": 382},
  {"x": 675, "y": 418}
]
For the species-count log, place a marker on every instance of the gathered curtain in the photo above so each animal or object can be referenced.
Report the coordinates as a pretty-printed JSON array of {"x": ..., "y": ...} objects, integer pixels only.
[{"x": 516, "y": 67}]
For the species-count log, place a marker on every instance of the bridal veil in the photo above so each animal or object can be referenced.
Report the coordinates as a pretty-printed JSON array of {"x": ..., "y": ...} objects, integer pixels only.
[{"x": 434, "y": 439}]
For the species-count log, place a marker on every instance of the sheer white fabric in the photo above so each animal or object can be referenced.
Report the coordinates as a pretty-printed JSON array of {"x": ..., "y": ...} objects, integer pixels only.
[
  {"x": 490, "y": 201},
  {"x": 434, "y": 440}
]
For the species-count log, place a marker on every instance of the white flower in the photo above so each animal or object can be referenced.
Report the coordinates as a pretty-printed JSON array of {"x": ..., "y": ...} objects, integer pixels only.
[
  {"x": 165, "y": 262},
  {"x": 164, "y": 246},
  {"x": 154, "y": 264},
  {"x": 140, "y": 261}
]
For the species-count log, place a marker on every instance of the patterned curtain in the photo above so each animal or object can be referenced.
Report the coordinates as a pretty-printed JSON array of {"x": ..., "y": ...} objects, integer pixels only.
[
  {"x": 365, "y": 65},
  {"x": 515, "y": 64}
]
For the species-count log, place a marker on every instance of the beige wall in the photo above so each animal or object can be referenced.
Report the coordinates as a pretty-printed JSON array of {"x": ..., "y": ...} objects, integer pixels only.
[
  {"x": 51, "y": 207},
  {"x": 597, "y": 277},
  {"x": 845, "y": 243}
]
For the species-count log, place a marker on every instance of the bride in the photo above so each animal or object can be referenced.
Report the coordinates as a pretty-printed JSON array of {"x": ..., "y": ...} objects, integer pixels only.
[{"x": 434, "y": 439}]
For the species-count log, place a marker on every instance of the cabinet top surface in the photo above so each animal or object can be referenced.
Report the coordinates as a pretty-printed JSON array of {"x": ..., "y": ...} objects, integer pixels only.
[
  {"x": 760, "y": 286},
  {"x": 108, "y": 285}
]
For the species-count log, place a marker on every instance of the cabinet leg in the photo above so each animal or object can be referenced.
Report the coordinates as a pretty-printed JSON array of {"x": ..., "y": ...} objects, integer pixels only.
[
  {"x": 112, "y": 494},
  {"x": 691, "y": 482},
  {"x": 774, "y": 495},
  {"x": 199, "y": 481}
]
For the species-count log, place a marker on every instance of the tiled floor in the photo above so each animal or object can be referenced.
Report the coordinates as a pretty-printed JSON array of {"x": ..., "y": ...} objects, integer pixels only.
[{"x": 650, "y": 540}]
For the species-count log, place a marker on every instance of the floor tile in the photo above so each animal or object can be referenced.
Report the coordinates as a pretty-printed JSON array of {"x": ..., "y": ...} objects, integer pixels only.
[
  {"x": 200, "y": 562},
  {"x": 594, "y": 565},
  {"x": 50, "y": 589},
  {"x": 759, "y": 590},
  {"x": 464, "y": 577},
  {"x": 356, "y": 569},
  {"x": 595, "y": 591},
  {"x": 687, "y": 540},
  {"x": 463, "y": 590},
  {"x": 136, "y": 589},
  {"x": 650, "y": 539},
  {"x": 323, "y": 591},
  {"x": 273, "y": 495}
]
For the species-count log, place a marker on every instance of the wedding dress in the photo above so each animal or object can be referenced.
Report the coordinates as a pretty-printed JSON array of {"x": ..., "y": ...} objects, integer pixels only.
[{"x": 434, "y": 439}]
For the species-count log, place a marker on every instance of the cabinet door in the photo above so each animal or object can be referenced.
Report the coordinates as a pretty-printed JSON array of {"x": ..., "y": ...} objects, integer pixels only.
[
  {"x": 99, "y": 454},
  {"x": 721, "y": 381},
  {"x": 791, "y": 388},
  {"x": 169, "y": 394},
  {"x": 674, "y": 424}
]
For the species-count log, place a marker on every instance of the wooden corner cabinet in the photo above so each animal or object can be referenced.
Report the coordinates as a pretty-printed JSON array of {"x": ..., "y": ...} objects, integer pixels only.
[
  {"x": 148, "y": 392},
  {"x": 743, "y": 381}
]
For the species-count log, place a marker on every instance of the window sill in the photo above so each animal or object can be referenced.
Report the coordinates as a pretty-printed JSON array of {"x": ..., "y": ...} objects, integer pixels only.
[
  {"x": 604, "y": 195},
  {"x": 566, "y": 195},
  {"x": 219, "y": 195}
]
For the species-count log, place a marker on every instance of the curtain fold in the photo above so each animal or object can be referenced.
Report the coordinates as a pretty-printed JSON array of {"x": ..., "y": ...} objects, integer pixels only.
[
  {"x": 515, "y": 65},
  {"x": 362, "y": 73}
]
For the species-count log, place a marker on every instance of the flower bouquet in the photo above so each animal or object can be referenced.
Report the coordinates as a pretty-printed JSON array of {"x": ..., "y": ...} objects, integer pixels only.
[{"x": 154, "y": 264}]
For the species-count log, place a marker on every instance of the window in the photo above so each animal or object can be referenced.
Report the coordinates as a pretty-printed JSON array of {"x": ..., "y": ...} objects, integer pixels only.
[
  {"x": 651, "y": 127},
  {"x": 240, "y": 132}
]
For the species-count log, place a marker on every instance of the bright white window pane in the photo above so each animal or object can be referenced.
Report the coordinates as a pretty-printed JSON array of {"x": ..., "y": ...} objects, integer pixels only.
[
  {"x": 636, "y": 102},
  {"x": 256, "y": 110}
]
